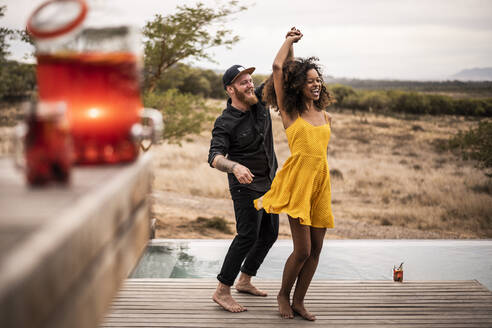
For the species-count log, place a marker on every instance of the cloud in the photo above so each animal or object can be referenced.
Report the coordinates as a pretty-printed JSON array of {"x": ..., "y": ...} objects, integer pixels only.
[{"x": 417, "y": 39}]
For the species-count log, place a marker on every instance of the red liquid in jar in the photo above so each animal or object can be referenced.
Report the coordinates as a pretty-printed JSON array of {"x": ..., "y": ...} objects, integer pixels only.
[{"x": 102, "y": 93}]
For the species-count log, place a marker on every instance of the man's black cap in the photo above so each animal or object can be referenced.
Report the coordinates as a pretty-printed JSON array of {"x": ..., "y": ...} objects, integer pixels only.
[{"x": 233, "y": 72}]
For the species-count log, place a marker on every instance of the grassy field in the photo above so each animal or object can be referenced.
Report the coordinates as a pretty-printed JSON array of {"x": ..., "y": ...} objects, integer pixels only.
[{"x": 388, "y": 180}]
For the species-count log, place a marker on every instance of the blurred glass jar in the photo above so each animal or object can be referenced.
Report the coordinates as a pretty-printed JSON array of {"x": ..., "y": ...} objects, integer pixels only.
[
  {"x": 43, "y": 145},
  {"x": 95, "y": 68}
]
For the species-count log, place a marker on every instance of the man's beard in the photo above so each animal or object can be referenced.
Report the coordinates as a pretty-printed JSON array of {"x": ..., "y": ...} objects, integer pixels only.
[{"x": 250, "y": 100}]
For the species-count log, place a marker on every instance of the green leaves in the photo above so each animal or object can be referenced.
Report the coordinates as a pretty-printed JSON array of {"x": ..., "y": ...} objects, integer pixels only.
[
  {"x": 183, "y": 113},
  {"x": 16, "y": 79},
  {"x": 475, "y": 144},
  {"x": 409, "y": 102},
  {"x": 188, "y": 33},
  {"x": 5, "y": 34}
]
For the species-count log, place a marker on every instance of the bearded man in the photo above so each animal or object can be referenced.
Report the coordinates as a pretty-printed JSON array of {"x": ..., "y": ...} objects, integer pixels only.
[{"x": 242, "y": 146}]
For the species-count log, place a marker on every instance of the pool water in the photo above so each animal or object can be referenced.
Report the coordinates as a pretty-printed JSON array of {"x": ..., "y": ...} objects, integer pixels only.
[{"x": 340, "y": 259}]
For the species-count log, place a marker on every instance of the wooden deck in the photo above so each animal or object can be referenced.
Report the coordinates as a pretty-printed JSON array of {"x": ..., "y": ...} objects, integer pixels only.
[{"x": 187, "y": 303}]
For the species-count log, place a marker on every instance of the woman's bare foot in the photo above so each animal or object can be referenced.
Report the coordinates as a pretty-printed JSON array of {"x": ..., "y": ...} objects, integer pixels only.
[
  {"x": 284, "y": 307},
  {"x": 301, "y": 310},
  {"x": 247, "y": 287},
  {"x": 222, "y": 296}
]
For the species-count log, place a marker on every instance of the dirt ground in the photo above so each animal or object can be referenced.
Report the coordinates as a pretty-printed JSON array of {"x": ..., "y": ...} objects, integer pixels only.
[
  {"x": 177, "y": 212},
  {"x": 388, "y": 181}
]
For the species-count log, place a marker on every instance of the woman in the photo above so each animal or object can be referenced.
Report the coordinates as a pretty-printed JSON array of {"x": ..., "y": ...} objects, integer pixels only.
[{"x": 302, "y": 187}]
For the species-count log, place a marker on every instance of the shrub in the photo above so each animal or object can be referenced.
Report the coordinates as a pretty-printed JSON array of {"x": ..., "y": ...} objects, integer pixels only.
[
  {"x": 437, "y": 104},
  {"x": 475, "y": 144},
  {"x": 183, "y": 113},
  {"x": 473, "y": 107},
  {"x": 216, "y": 222},
  {"x": 336, "y": 174},
  {"x": 374, "y": 100},
  {"x": 484, "y": 187},
  {"x": 341, "y": 92},
  {"x": 187, "y": 79},
  {"x": 408, "y": 102},
  {"x": 16, "y": 79},
  {"x": 352, "y": 101}
]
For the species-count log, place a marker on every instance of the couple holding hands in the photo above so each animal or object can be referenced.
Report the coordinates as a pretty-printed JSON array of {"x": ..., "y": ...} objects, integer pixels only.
[{"x": 242, "y": 146}]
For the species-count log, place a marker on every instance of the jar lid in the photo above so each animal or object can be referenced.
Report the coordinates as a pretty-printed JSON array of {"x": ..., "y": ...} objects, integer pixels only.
[{"x": 56, "y": 17}]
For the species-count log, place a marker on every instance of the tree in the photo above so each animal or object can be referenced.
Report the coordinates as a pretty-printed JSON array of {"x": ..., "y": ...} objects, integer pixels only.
[
  {"x": 183, "y": 113},
  {"x": 197, "y": 81},
  {"x": 16, "y": 79},
  {"x": 185, "y": 34},
  {"x": 5, "y": 34},
  {"x": 168, "y": 40}
]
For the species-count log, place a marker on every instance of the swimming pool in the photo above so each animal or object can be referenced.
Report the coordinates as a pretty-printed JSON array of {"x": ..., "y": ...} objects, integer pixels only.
[{"x": 340, "y": 259}]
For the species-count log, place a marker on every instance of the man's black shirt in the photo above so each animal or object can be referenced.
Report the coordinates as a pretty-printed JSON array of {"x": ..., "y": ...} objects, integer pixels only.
[{"x": 246, "y": 138}]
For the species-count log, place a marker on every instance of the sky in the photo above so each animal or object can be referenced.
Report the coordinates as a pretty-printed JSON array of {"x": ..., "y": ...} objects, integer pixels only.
[{"x": 376, "y": 39}]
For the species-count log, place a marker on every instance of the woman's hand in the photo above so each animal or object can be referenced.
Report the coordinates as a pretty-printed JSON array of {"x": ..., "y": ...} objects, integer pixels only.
[{"x": 294, "y": 34}]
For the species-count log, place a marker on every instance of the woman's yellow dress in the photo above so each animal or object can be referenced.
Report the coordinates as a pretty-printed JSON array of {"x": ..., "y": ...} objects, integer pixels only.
[{"x": 302, "y": 187}]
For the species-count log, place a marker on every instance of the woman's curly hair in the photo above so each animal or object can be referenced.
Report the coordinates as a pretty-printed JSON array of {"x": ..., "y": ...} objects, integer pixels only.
[{"x": 295, "y": 77}]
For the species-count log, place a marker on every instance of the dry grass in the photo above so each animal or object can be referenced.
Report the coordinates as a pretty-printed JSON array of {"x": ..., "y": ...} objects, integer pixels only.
[
  {"x": 385, "y": 173},
  {"x": 186, "y": 170},
  {"x": 397, "y": 178},
  {"x": 388, "y": 181},
  {"x": 10, "y": 115},
  {"x": 6, "y": 141}
]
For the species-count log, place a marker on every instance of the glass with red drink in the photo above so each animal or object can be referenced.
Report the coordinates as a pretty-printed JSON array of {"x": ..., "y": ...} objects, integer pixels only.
[{"x": 46, "y": 154}]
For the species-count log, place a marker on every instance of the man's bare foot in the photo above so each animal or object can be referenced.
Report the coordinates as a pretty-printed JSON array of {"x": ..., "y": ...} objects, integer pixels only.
[
  {"x": 284, "y": 307},
  {"x": 244, "y": 285},
  {"x": 301, "y": 310},
  {"x": 247, "y": 287},
  {"x": 222, "y": 296}
]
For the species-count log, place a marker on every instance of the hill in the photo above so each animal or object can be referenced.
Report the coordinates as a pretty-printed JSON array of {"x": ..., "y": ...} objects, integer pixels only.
[{"x": 474, "y": 74}]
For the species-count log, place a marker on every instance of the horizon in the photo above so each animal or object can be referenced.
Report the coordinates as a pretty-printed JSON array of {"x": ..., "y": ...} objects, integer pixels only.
[
  {"x": 376, "y": 40},
  {"x": 329, "y": 76}
]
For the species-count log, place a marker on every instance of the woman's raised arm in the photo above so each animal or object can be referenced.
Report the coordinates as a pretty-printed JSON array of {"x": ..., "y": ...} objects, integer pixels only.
[{"x": 284, "y": 54}]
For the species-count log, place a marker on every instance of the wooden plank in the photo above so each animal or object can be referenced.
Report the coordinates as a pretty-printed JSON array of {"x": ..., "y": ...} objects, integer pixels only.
[
  {"x": 319, "y": 312},
  {"x": 176, "y": 303},
  {"x": 276, "y": 282},
  {"x": 368, "y": 297},
  {"x": 332, "y": 285},
  {"x": 60, "y": 232},
  {"x": 91, "y": 296},
  {"x": 298, "y": 323},
  {"x": 274, "y": 317}
]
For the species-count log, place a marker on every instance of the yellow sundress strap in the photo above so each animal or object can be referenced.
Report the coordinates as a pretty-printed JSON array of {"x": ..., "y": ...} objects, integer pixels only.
[{"x": 328, "y": 121}]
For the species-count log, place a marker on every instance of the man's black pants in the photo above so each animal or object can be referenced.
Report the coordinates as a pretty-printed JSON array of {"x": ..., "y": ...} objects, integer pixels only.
[{"x": 256, "y": 233}]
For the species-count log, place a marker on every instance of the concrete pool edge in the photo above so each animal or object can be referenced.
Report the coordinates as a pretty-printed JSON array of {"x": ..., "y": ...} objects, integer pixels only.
[
  {"x": 166, "y": 241},
  {"x": 351, "y": 259}
]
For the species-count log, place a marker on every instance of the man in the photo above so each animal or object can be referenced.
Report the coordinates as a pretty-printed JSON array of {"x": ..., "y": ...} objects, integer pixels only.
[{"x": 242, "y": 146}]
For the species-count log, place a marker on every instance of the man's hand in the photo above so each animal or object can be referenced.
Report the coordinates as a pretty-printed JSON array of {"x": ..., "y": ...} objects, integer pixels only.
[{"x": 242, "y": 174}]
